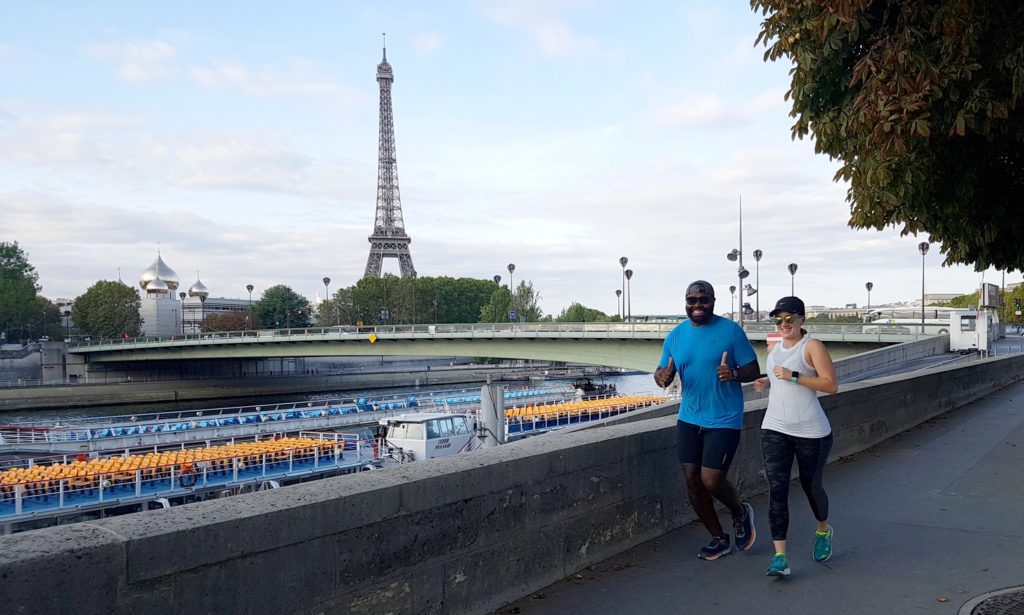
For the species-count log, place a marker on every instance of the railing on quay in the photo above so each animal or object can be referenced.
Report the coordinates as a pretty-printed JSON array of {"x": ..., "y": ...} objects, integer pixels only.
[{"x": 489, "y": 330}]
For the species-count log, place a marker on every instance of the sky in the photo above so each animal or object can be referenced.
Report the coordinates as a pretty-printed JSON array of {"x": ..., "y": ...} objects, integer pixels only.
[{"x": 240, "y": 140}]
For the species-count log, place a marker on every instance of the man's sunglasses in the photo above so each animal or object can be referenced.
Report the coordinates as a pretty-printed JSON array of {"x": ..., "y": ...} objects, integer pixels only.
[
  {"x": 700, "y": 300},
  {"x": 785, "y": 319}
]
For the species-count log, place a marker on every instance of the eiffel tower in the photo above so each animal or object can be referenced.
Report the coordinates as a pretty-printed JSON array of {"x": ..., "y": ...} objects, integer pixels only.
[{"x": 389, "y": 239}]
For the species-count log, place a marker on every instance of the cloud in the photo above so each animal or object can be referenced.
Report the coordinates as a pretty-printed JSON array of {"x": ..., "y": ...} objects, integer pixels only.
[
  {"x": 710, "y": 110},
  {"x": 427, "y": 42},
  {"x": 100, "y": 149},
  {"x": 138, "y": 61},
  {"x": 705, "y": 110},
  {"x": 293, "y": 78},
  {"x": 542, "y": 20}
]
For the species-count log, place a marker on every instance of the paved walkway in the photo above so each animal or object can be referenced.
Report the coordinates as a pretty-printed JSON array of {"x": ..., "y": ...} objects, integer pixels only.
[{"x": 923, "y": 523}]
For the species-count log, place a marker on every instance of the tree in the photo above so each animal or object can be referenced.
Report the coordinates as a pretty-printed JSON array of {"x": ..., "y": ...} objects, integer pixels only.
[
  {"x": 280, "y": 307},
  {"x": 19, "y": 311},
  {"x": 918, "y": 100},
  {"x": 525, "y": 303},
  {"x": 577, "y": 312},
  {"x": 48, "y": 320},
  {"x": 231, "y": 321},
  {"x": 108, "y": 310}
]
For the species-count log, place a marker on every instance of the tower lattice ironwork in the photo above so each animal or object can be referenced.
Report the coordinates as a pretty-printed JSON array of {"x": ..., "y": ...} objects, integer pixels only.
[{"x": 389, "y": 239}]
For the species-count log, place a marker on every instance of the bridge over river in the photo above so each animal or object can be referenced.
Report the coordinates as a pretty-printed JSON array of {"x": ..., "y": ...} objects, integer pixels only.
[{"x": 627, "y": 345}]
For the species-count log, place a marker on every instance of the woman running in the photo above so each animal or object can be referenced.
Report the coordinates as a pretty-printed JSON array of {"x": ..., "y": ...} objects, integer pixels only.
[{"x": 795, "y": 426}]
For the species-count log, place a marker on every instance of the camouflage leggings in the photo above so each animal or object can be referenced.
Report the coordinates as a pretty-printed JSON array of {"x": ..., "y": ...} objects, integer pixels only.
[{"x": 777, "y": 451}]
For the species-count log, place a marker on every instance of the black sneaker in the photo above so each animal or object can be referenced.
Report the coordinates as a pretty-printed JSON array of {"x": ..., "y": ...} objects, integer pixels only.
[
  {"x": 718, "y": 547},
  {"x": 746, "y": 533}
]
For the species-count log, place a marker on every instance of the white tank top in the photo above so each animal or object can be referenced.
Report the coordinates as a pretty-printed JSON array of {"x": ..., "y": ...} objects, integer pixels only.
[{"x": 793, "y": 409}]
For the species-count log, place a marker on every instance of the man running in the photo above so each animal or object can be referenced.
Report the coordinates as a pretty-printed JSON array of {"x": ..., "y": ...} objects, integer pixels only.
[{"x": 712, "y": 356}]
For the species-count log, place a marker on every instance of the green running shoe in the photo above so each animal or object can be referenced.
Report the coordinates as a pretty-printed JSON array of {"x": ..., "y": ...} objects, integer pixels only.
[
  {"x": 779, "y": 566},
  {"x": 823, "y": 545}
]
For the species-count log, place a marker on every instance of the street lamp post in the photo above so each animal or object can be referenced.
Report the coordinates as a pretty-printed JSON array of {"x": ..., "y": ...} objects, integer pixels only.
[
  {"x": 732, "y": 302},
  {"x": 792, "y": 279},
  {"x": 629, "y": 292},
  {"x": 737, "y": 255},
  {"x": 202, "y": 317},
  {"x": 248, "y": 319},
  {"x": 623, "y": 261},
  {"x": 182, "y": 295},
  {"x": 869, "y": 286},
  {"x": 327, "y": 296},
  {"x": 618, "y": 301},
  {"x": 511, "y": 288},
  {"x": 757, "y": 283},
  {"x": 923, "y": 249}
]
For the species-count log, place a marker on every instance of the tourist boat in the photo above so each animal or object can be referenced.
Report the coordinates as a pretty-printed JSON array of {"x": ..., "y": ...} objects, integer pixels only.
[
  {"x": 94, "y": 434},
  {"x": 88, "y": 484}
]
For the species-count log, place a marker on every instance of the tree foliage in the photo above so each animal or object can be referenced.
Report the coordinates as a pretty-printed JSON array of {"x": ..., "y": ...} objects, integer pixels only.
[
  {"x": 394, "y": 300},
  {"x": 577, "y": 312},
  {"x": 108, "y": 310},
  {"x": 23, "y": 314},
  {"x": 280, "y": 307},
  {"x": 231, "y": 321},
  {"x": 918, "y": 100},
  {"x": 525, "y": 302}
]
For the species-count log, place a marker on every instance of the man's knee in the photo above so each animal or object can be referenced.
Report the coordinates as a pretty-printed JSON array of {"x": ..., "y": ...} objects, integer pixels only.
[
  {"x": 691, "y": 474},
  {"x": 713, "y": 481}
]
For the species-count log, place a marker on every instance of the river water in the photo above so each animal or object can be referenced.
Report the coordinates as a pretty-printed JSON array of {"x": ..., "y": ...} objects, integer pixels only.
[{"x": 624, "y": 383}]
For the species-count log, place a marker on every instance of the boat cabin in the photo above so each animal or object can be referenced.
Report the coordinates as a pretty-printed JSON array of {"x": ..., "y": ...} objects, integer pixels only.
[{"x": 424, "y": 435}]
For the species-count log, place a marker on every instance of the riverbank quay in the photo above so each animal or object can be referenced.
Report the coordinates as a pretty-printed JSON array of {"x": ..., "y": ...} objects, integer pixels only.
[
  {"x": 928, "y": 521},
  {"x": 475, "y": 532},
  {"x": 189, "y": 392}
]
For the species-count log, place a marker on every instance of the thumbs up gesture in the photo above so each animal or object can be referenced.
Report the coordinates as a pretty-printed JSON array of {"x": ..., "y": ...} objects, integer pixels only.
[
  {"x": 663, "y": 375},
  {"x": 724, "y": 371}
]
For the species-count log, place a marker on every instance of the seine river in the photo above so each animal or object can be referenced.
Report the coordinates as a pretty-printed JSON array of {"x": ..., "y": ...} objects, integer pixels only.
[{"x": 626, "y": 383}]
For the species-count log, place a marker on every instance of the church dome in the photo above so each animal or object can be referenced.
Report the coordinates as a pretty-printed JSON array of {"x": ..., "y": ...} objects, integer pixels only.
[
  {"x": 159, "y": 269},
  {"x": 198, "y": 290},
  {"x": 157, "y": 285}
]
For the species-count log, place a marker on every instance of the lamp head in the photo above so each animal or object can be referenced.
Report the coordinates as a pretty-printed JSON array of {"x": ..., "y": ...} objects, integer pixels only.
[
  {"x": 757, "y": 255},
  {"x": 792, "y": 269},
  {"x": 734, "y": 255}
]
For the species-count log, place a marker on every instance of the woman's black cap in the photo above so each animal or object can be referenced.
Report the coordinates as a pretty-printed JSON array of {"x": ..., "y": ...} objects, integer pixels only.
[{"x": 793, "y": 305}]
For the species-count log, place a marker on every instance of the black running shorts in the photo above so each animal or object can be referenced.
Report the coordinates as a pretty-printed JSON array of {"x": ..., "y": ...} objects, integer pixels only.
[{"x": 707, "y": 447}]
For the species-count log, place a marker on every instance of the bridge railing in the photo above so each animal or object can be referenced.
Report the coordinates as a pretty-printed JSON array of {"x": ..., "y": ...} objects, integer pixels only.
[{"x": 647, "y": 331}]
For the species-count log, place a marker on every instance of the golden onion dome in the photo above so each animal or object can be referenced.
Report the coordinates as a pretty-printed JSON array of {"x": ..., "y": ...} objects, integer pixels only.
[
  {"x": 159, "y": 269},
  {"x": 198, "y": 290}
]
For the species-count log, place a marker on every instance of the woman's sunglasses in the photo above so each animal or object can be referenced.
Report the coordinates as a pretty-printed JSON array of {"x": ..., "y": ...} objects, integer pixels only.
[
  {"x": 700, "y": 300},
  {"x": 785, "y": 319}
]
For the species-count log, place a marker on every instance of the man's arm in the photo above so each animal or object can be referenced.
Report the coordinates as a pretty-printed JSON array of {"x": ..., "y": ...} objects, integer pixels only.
[
  {"x": 748, "y": 372},
  {"x": 744, "y": 373}
]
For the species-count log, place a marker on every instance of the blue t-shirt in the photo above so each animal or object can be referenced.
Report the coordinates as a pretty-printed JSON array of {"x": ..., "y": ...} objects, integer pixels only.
[{"x": 697, "y": 353}]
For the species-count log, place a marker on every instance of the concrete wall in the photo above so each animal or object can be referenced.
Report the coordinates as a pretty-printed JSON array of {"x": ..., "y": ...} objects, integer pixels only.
[{"x": 462, "y": 535}]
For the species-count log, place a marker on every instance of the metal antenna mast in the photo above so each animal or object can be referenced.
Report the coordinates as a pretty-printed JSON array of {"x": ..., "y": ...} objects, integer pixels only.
[{"x": 389, "y": 239}]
